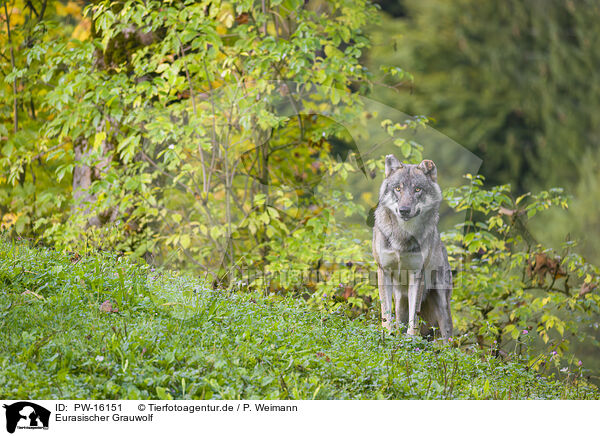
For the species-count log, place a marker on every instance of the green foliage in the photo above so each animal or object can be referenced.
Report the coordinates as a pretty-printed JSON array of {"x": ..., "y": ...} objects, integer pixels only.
[
  {"x": 193, "y": 161},
  {"x": 193, "y": 158},
  {"x": 513, "y": 81},
  {"x": 171, "y": 336},
  {"x": 511, "y": 292},
  {"x": 29, "y": 189}
]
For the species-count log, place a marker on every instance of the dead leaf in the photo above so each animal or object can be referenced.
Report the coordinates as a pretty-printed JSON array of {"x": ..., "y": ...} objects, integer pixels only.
[
  {"x": 242, "y": 18},
  {"x": 348, "y": 292},
  {"x": 320, "y": 354},
  {"x": 108, "y": 307},
  {"x": 586, "y": 288},
  {"x": 505, "y": 211},
  {"x": 28, "y": 292},
  {"x": 542, "y": 265}
]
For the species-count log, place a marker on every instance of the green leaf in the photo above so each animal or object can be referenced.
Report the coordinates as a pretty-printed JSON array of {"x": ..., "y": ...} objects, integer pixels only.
[{"x": 163, "y": 394}]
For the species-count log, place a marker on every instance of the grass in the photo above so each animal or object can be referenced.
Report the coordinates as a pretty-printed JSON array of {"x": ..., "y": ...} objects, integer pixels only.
[{"x": 172, "y": 337}]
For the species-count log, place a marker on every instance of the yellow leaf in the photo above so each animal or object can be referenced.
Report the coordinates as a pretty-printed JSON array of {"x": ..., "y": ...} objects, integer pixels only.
[
  {"x": 185, "y": 241},
  {"x": 8, "y": 220},
  {"x": 225, "y": 15},
  {"x": 71, "y": 8},
  {"x": 82, "y": 31},
  {"x": 367, "y": 197},
  {"x": 16, "y": 18},
  {"x": 99, "y": 139}
]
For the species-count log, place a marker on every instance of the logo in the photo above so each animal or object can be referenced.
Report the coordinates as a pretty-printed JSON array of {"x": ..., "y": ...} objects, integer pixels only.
[{"x": 26, "y": 415}]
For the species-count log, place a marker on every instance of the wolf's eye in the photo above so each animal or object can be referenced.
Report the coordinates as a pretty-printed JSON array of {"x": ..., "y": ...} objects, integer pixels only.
[
  {"x": 417, "y": 189},
  {"x": 398, "y": 188}
]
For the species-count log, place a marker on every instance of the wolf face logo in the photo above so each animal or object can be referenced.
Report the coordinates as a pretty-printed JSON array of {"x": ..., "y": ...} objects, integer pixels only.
[{"x": 412, "y": 263}]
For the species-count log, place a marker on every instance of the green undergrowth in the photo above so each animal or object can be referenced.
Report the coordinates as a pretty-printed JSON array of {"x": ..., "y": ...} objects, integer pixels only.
[{"x": 169, "y": 336}]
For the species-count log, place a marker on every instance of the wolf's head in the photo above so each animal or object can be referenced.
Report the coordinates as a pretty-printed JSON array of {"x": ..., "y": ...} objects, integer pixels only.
[{"x": 410, "y": 190}]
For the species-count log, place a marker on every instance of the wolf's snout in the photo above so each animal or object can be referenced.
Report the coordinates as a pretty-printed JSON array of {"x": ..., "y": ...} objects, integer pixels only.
[{"x": 404, "y": 211}]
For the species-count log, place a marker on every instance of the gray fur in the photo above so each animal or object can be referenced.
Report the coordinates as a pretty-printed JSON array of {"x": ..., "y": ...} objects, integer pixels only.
[{"x": 412, "y": 262}]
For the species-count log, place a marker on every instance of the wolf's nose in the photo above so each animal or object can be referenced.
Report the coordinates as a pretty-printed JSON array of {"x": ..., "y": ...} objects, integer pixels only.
[{"x": 404, "y": 211}]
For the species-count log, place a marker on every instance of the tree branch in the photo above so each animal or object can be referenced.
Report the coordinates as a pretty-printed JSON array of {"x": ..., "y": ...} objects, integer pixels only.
[
  {"x": 12, "y": 62},
  {"x": 30, "y": 6}
]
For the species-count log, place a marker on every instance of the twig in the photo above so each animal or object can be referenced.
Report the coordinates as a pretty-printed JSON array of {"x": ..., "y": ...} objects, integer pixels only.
[
  {"x": 30, "y": 5},
  {"x": 164, "y": 173},
  {"x": 39, "y": 155},
  {"x": 193, "y": 95},
  {"x": 12, "y": 62}
]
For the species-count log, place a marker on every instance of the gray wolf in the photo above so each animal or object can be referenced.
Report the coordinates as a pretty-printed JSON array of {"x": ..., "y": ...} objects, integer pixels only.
[{"x": 412, "y": 263}]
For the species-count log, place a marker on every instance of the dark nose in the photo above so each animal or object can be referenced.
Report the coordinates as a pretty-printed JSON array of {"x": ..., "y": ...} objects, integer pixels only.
[{"x": 404, "y": 211}]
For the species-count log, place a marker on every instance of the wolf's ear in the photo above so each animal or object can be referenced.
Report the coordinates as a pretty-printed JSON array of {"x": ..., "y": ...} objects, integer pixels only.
[
  {"x": 391, "y": 164},
  {"x": 429, "y": 169}
]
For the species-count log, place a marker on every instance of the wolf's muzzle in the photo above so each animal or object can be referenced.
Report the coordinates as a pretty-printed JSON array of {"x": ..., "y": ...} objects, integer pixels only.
[{"x": 404, "y": 212}]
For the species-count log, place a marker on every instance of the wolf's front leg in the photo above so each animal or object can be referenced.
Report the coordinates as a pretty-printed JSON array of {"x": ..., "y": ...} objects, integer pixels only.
[
  {"x": 444, "y": 314},
  {"x": 415, "y": 295},
  {"x": 401, "y": 298},
  {"x": 385, "y": 285}
]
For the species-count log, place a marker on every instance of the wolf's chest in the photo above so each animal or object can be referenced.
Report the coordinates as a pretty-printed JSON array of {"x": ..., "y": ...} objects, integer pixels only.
[{"x": 401, "y": 259}]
